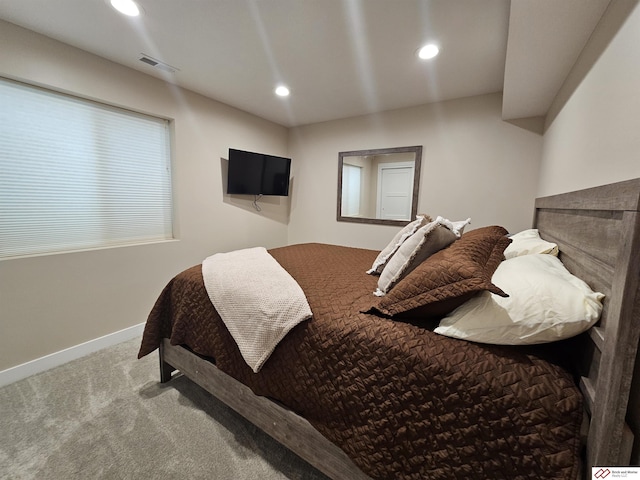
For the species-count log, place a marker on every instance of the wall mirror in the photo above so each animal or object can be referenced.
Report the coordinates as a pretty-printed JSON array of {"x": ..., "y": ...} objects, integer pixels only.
[{"x": 379, "y": 186}]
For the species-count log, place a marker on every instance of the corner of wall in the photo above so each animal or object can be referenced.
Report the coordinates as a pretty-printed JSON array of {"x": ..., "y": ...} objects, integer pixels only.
[{"x": 614, "y": 16}]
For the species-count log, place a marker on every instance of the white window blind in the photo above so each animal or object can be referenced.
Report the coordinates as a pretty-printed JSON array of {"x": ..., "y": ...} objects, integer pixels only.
[{"x": 76, "y": 174}]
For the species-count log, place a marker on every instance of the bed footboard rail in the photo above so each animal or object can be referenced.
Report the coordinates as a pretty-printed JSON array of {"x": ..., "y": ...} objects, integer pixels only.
[
  {"x": 166, "y": 369},
  {"x": 285, "y": 426}
]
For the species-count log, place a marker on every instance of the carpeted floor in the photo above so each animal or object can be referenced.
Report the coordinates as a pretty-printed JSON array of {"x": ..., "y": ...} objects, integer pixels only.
[{"x": 106, "y": 416}]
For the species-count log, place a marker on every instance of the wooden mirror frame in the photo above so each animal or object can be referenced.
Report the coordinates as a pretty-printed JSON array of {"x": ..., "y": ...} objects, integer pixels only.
[{"x": 417, "y": 151}]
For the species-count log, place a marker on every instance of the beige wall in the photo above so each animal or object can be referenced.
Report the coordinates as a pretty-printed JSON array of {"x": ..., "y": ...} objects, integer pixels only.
[
  {"x": 473, "y": 165},
  {"x": 52, "y": 302},
  {"x": 595, "y": 138}
]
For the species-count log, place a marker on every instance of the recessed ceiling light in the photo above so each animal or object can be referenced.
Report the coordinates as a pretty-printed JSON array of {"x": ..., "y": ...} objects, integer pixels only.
[
  {"x": 282, "y": 91},
  {"x": 127, "y": 7},
  {"x": 428, "y": 51}
]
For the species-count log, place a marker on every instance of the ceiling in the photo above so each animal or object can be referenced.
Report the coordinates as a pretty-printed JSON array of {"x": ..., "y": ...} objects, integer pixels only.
[{"x": 340, "y": 58}]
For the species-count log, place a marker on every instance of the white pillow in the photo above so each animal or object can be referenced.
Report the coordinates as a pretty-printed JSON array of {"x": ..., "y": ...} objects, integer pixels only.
[
  {"x": 388, "y": 251},
  {"x": 431, "y": 238},
  {"x": 529, "y": 242},
  {"x": 546, "y": 303}
]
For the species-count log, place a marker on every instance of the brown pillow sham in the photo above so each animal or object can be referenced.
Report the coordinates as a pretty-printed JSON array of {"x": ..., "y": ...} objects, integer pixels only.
[{"x": 449, "y": 277}]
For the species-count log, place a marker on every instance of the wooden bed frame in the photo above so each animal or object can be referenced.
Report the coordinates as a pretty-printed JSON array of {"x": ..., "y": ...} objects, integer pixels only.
[{"x": 598, "y": 232}]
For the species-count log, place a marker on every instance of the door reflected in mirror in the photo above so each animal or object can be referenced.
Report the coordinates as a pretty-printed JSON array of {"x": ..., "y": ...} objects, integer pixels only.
[{"x": 379, "y": 186}]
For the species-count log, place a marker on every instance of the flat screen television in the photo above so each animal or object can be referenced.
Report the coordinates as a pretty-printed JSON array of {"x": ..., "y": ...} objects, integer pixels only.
[{"x": 257, "y": 174}]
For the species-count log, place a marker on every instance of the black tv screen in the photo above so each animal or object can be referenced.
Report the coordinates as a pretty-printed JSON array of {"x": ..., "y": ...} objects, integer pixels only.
[{"x": 257, "y": 174}]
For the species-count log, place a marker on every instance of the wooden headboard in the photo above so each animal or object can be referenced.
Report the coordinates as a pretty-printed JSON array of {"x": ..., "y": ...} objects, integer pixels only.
[{"x": 598, "y": 232}]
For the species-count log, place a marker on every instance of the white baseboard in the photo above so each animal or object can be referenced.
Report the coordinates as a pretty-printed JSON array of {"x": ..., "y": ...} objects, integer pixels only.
[{"x": 47, "y": 362}]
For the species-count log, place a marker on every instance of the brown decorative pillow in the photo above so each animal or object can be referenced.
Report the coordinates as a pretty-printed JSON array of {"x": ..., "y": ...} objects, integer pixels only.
[{"x": 449, "y": 277}]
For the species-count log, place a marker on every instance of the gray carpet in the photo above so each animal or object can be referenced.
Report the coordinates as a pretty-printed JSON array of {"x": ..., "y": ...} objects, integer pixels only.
[{"x": 106, "y": 416}]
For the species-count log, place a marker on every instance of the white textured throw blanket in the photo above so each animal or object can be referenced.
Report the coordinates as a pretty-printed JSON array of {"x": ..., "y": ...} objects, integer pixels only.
[{"x": 257, "y": 299}]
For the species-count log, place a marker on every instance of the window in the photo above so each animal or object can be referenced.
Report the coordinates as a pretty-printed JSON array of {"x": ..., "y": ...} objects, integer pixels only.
[
  {"x": 352, "y": 176},
  {"x": 76, "y": 174}
]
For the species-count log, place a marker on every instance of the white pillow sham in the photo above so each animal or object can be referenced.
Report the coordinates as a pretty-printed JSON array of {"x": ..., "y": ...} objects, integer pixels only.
[
  {"x": 529, "y": 242},
  {"x": 400, "y": 237},
  {"x": 429, "y": 239},
  {"x": 546, "y": 303}
]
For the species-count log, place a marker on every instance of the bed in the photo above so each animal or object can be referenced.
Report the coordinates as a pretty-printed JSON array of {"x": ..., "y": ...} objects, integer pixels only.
[{"x": 368, "y": 394}]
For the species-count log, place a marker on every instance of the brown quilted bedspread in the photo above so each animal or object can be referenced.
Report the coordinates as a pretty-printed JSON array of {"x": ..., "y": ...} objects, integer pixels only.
[{"x": 400, "y": 400}]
